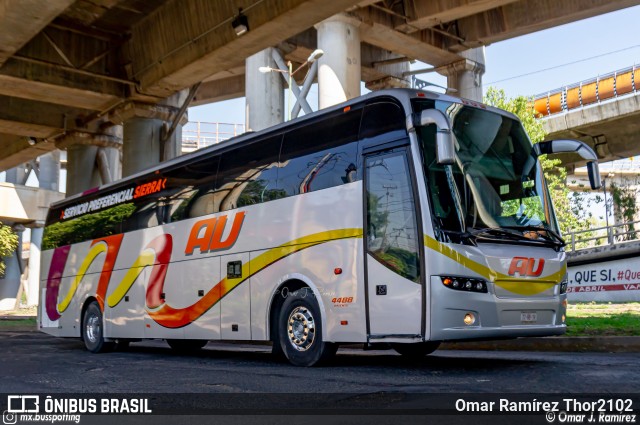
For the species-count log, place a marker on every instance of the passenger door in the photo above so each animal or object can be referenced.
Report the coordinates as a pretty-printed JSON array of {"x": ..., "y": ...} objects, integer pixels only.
[{"x": 392, "y": 244}]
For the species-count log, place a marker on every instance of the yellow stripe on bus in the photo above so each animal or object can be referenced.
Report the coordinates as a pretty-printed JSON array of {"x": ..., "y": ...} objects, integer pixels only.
[
  {"x": 265, "y": 259},
  {"x": 511, "y": 284},
  {"x": 93, "y": 253},
  {"x": 147, "y": 258}
]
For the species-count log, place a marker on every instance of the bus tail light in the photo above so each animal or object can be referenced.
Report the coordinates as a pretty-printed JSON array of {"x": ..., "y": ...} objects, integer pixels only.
[{"x": 465, "y": 284}]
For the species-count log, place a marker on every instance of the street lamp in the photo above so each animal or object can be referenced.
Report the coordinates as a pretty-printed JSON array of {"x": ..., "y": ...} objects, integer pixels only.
[{"x": 314, "y": 56}]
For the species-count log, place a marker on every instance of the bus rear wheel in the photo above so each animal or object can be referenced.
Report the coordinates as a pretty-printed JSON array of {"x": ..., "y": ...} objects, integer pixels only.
[
  {"x": 93, "y": 330},
  {"x": 300, "y": 330},
  {"x": 186, "y": 345},
  {"x": 416, "y": 350}
]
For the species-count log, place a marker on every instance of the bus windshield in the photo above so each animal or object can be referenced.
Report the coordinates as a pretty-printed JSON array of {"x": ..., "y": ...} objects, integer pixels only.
[{"x": 496, "y": 182}]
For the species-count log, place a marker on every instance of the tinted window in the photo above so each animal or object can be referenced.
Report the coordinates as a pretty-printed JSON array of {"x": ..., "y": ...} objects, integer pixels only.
[
  {"x": 86, "y": 227},
  {"x": 194, "y": 183},
  {"x": 248, "y": 175},
  {"x": 320, "y": 155},
  {"x": 392, "y": 230},
  {"x": 383, "y": 117}
]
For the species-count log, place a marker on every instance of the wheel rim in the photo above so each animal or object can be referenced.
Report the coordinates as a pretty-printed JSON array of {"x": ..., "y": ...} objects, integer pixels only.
[
  {"x": 93, "y": 328},
  {"x": 301, "y": 329}
]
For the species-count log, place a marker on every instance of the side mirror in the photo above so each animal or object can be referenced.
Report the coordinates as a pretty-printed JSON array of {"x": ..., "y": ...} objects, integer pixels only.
[
  {"x": 575, "y": 146},
  {"x": 594, "y": 175},
  {"x": 445, "y": 143}
]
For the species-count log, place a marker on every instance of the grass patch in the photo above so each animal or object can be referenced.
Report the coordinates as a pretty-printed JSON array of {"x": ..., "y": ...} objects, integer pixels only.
[
  {"x": 5, "y": 324},
  {"x": 603, "y": 319}
]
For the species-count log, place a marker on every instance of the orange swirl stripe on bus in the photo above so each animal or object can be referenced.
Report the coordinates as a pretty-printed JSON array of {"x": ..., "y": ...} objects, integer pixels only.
[
  {"x": 109, "y": 245},
  {"x": 157, "y": 253},
  {"x": 532, "y": 287},
  {"x": 170, "y": 317}
]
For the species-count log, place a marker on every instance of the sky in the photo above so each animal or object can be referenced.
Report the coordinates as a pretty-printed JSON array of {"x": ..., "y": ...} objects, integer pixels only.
[{"x": 528, "y": 65}]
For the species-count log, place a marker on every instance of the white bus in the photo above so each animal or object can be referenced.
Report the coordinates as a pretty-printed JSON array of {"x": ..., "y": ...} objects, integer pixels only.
[{"x": 401, "y": 217}]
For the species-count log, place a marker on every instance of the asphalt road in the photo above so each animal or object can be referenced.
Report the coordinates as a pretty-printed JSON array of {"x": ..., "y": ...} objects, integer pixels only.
[
  {"x": 249, "y": 377},
  {"x": 34, "y": 360}
]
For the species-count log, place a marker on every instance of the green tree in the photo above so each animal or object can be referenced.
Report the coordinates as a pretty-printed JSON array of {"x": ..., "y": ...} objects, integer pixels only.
[
  {"x": 570, "y": 206},
  {"x": 8, "y": 244},
  {"x": 625, "y": 209}
]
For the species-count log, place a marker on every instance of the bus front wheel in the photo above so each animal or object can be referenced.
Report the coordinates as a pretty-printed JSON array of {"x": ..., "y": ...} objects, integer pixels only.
[
  {"x": 416, "y": 350},
  {"x": 300, "y": 330},
  {"x": 93, "y": 330}
]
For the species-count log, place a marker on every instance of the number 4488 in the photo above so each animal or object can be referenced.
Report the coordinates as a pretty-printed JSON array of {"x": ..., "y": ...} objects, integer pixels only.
[{"x": 342, "y": 300}]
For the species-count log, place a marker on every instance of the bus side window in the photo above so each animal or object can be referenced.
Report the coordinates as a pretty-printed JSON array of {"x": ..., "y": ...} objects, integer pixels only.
[
  {"x": 248, "y": 176},
  {"x": 194, "y": 182},
  {"x": 383, "y": 118},
  {"x": 320, "y": 155}
]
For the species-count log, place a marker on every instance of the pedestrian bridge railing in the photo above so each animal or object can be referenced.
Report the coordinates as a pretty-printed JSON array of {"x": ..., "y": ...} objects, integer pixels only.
[
  {"x": 603, "y": 236},
  {"x": 200, "y": 134}
]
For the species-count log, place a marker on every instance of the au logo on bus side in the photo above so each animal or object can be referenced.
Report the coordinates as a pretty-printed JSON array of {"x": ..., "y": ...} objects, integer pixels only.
[{"x": 212, "y": 230}]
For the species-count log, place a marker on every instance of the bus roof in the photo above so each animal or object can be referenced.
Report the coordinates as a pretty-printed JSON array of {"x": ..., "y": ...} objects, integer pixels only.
[{"x": 403, "y": 96}]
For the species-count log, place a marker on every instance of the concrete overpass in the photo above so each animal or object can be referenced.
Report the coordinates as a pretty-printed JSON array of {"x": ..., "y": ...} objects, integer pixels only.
[
  {"x": 70, "y": 69},
  {"x": 603, "y": 111}
]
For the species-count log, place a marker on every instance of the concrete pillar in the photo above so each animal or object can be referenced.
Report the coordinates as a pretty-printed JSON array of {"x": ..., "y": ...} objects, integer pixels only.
[
  {"x": 82, "y": 173},
  {"x": 264, "y": 92},
  {"x": 396, "y": 79},
  {"x": 33, "y": 282},
  {"x": 466, "y": 76},
  {"x": 339, "y": 72},
  {"x": 49, "y": 171},
  {"x": 144, "y": 132},
  {"x": 10, "y": 283},
  {"x": 17, "y": 175},
  {"x": 82, "y": 148},
  {"x": 113, "y": 158},
  {"x": 141, "y": 144},
  {"x": 49, "y": 179}
]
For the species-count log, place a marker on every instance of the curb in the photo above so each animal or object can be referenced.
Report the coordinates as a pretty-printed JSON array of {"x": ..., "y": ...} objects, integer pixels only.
[
  {"x": 595, "y": 344},
  {"x": 17, "y": 317}
]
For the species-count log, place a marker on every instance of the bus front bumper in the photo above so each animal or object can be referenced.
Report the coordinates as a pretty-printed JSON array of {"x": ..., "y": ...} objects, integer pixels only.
[{"x": 458, "y": 315}]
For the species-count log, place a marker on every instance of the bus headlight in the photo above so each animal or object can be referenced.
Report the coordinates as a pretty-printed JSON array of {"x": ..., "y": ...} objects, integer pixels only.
[{"x": 466, "y": 284}]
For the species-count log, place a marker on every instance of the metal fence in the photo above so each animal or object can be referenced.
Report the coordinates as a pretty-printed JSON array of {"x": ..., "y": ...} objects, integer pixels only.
[
  {"x": 200, "y": 134},
  {"x": 603, "y": 236}
]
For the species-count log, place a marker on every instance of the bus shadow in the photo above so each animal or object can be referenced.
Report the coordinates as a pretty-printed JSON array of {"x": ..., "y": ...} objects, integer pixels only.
[{"x": 440, "y": 360}]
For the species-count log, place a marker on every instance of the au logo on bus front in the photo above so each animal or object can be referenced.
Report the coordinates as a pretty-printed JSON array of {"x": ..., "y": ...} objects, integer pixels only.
[{"x": 524, "y": 266}]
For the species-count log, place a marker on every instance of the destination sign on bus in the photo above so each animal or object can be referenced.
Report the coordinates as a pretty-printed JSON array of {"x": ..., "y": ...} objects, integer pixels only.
[{"x": 114, "y": 199}]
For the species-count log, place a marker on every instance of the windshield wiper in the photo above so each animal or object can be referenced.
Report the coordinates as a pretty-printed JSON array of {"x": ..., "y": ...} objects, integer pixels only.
[
  {"x": 543, "y": 232},
  {"x": 496, "y": 231},
  {"x": 501, "y": 233},
  {"x": 461, "y": 235}
]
